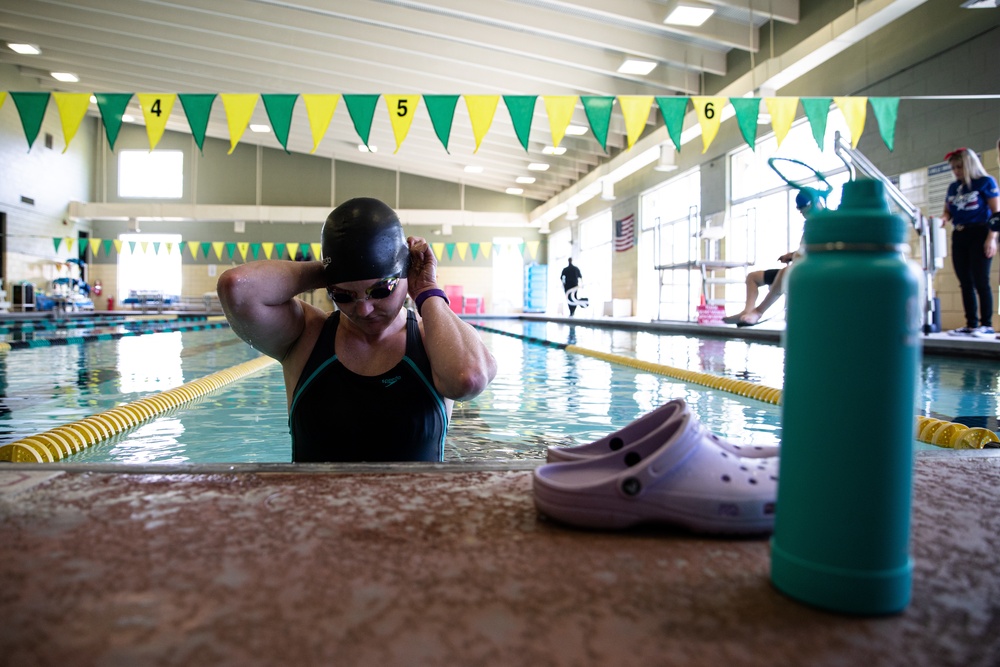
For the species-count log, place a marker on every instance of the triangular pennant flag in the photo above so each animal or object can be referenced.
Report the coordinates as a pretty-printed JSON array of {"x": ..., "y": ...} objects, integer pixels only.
[
  {"x": 481, "y": 111},
  {"x": 197, "y": 108},
  {"x": 193, "y": 249},
  {"x": 747, "y": 111},
  {"x": 255, "y": 250},
  {"x": 319, "y": 109},
  {"x": 239, "y": 110},
  {"x": 886, "y": 111},
  {"x": 560, "y": 111},
  {"x": 217, "y": 246},
  {"x": 118, "y": 245},
  {"x": 56, "y": 242},
  {"x": 450, "y": 249},
  {"x": 268, "y": 249},
  {"x": 474, "y": 247},
  {"x": 486, "y": 248},
  {"x": 362, "y": 111},
  {"x": 462, "y": 248},
  {"x": 230, "y": 249},
  {"x": 108, "y": 245},
  {"x": 293, "y": 250},
  {"x": 112, "y": 107},
  {"x": 441, "y": 109},
  {"x": 782, "y": 112},
  {"x": 533, "y": 245},
  {"x": 205, "y": 247},
  {"x": 145, "y": 246},
  {"x": 817, "y": 109},
  {"x": 438, "y": 249},
  {"x": 156, "y": 247},
  {"x": 69, "y": 243},
  {"x": 279, "y": 250},
  {"x": 3, "y": 97},
  {"x": 131, "y": 247},
  {"x": 854, "y": 109},
  {"x": 598, "y": 109},
  {"x": 156, "y": 108},
  {"x": 709, "y": 110},
  {"x": 520, "y": 249},
  {"x": 72, "y": 108},
  {"x": 279, "y": 111},
  {"x": 31, "y": 108},
  {"x": 317, "y": 250},
  {"x": 95, "y": 246},
  {"x": 243, "y": 246},
  {"x": 402, "y": 109},
  {"x": 521, "y": 109},
  {"x": 635, "y": 110},
  {"x": 170, "y": 248},
  {"x": 673, "y": 110}
]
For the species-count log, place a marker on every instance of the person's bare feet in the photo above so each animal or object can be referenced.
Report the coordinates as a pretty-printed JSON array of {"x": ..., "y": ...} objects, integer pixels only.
[
  {"x": 733, "y": 319},
  {"x": 749, "y": 319}
]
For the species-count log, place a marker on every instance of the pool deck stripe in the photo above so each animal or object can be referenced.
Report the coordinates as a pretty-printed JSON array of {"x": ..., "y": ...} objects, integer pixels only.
[{"x": 159, "y": 326}]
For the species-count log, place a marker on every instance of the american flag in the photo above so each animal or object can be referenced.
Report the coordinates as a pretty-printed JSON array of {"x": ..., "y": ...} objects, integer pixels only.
[{"x": 625, "y": 233}]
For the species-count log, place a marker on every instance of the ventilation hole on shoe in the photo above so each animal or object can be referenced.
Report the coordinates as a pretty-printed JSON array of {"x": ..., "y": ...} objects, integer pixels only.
[
  {"x": 725, "y": 478},
  {"x": 752, "y": 480},
  {"x": 631, "y": 458},
  {"x": 724, "y": 455},
  {"x": 774, "y": 478},
  {"x": 744, "y": 468},
  {"x": 631, "y": 486},
  {"x": 768, "y": 508},
  {"x": 616, "y": 444}
]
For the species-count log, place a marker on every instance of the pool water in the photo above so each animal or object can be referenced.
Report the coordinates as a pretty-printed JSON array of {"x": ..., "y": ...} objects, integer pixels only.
[{"x": 541, "y": 395}]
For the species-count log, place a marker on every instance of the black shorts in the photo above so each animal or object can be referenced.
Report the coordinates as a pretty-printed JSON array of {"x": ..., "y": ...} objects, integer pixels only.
[{"x": 770, "y": 275}]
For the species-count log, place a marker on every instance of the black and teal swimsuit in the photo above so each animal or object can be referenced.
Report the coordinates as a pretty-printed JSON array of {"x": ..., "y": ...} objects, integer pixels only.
[{"x": 337, "y": 415}]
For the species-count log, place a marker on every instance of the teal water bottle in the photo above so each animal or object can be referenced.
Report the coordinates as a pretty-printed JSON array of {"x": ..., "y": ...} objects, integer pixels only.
[{"x": 852, "y": 355}]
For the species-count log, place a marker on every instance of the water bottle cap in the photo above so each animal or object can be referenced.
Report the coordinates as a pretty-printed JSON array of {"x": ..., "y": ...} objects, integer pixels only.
[{"x": 863, "y": 218}]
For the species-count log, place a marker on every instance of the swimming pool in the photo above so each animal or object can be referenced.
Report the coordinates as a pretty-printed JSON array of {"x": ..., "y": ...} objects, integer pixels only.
[{"x": 541, "y": 396}]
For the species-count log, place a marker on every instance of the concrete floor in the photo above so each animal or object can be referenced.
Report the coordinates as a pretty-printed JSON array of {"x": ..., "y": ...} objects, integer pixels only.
[{"x": 444, "y": 565}]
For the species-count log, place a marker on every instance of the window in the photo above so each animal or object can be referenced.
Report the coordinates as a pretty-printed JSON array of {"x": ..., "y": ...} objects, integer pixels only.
[
  {"x": 508, "y": 275},
  {"x": 596, "y": 235},
  {"x": 149, "y": 263},
  {"x": 151, "y": 174}
]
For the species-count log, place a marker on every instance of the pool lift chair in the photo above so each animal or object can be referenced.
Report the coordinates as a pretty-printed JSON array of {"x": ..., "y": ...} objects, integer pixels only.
[{"x": 933, "y": 240}]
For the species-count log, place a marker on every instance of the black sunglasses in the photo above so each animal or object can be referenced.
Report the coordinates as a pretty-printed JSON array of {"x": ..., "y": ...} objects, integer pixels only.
[{"x": 379, "y": 290}]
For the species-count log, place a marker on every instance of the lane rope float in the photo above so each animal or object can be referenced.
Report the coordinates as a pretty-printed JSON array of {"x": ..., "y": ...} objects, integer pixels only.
[
  {"x": 929, "y": 430},
  {"x": 67, "y": 439}
]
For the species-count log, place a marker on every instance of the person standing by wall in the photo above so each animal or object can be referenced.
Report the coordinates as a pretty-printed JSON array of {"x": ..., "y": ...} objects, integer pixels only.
[
  {"x": 973, "y": 208},
  {"x": 571, "y": 281}
]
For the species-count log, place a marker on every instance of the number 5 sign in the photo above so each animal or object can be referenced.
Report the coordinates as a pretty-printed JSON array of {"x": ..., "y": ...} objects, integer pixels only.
[
  {"x": 402, "y": 108},
  {"x": 709, "y": 110}
]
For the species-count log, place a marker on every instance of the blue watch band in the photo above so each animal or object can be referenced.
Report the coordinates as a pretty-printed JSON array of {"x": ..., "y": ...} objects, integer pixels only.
[{"x": 428, "y": 293}]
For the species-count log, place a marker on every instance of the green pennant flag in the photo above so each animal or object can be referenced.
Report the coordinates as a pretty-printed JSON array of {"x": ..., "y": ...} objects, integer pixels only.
[
  {"x": 886, "y": 111},
  {"x": 598, "y": 110},
  {"x": 255, "y": 249},
  {"x": 474, "y": 247},
  {"x": 156, "y": 247},
  {"x": 131, "y": 247},
  {"x": 230, "y": 249},
  {"x": 279, "y": 250},
  {"x": 442, "y": 111},
  {"x": 673, "y": 110},
  {"x": 112, "y": 107},
  {"x": 197, "y": 108},
  {"x": 450, "y": 249},
  {"x": 279, "y": 112},
  {"x": 362, "y": 110},
  {"x": 817, "y": 109},
  {"x": 521, "y": 109},
  {"x": 31, "y": 108},
  {"x": 205, "y": 247},
  {"x": 57, "y": 242},
  {"x": 747, "y": 110},
  {"x": 107, "y": 245},
  {"x": 520, "y": 248}
]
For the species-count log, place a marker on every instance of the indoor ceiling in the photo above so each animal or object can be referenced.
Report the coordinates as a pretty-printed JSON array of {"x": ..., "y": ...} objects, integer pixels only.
[{"x": 498, "y": 47}]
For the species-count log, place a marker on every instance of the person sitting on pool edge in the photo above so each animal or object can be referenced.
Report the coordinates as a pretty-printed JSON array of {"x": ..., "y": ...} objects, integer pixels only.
[
  {"x": 369, "y": 381},
  {"x": 808, "y": 201}
]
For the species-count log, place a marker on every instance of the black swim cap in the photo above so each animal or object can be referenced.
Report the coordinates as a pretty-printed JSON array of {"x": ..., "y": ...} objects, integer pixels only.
[{"x": 363, "y": 240}]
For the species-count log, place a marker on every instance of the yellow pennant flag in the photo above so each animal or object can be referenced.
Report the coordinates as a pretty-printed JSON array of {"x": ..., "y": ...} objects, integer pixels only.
[
  {"x": 481, "y": 110},
  {"x": 156, "y": 108},
  {"x": 560, "y": 110},
  {"x": 193, "y": 249},
  {"x": 402, "y": 109},
  {"x": 635, "y": 109},
  {"x": 72, "y": 108},
  {"x": 144, "y": 245},
  {"x": 217, "y": 246},
  {"x": 268, "y": 249},
  {"x": 317, "y": 250},
  {"x": 293, "y": 250},
  {"x": 3, "y": 97},
  {"x": 485, "y": 248},
  {"x": 239, "y": 109},
  {"x": 95, "y": 246},
  {"x": 320, "y": 110},
  {"x": 854, "y": 109},
  {"x": 533, "y": 245},
  {"x": 782, "y": 112},
  {"x": 69, "y": 243},
  {"x": 170, "y": 248},
  {"x": 243, "y": 247},
  {"x": 709, "y": 110},
  {"x": 118, "y": 245},
  {"x": 462, "y": 247},
  {"x": 438, "y": 249}
]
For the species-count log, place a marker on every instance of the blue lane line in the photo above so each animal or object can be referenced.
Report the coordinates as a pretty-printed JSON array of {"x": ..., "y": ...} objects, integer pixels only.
[{"x": 79, "y": 340}]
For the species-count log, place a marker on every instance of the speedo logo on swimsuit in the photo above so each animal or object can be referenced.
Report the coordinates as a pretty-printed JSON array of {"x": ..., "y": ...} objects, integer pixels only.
[{"x": 388, "y": 382}]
